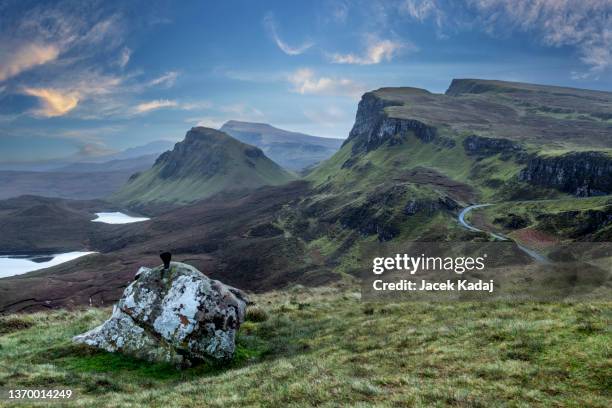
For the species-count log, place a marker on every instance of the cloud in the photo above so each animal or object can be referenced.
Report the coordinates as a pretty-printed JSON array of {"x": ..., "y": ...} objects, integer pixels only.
[
  {"x": 328, "y": 117},
  {"x": 53, "y": 102},
  {"x": 423, "y": 9},
  {"x": 305, "y": 81},
  {"x": 270, "y": 25},
  {"x": 237, "y": 111},
  {"x": 189, "y": 106},
  {"x": 168, "y": 79},
  {"x": 153, "y": 105},
  {"x": 24, "y": 57},
  {"x": 376, "y": 52},
  {"x": 124, "y": 57},
  {"x": 209, "y": 122},
  {"x": 90, "y": 150},
  {"x": 584, "y": 25},
  {"x": 242, "y": 111}
]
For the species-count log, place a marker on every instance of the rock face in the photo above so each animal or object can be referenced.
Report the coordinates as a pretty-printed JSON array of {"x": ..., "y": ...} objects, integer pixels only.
[
  {"x": 172, "y": 316},
  {"x": 582, "y": 173},
  {"x": 487, "y": 146},
  {"x": 373, "y": 127}
]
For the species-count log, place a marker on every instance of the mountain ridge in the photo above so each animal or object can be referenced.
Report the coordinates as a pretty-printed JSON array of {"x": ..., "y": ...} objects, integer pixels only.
[
  {"x": 206, "y": 162},
  {"x": 292, "y": 150}
]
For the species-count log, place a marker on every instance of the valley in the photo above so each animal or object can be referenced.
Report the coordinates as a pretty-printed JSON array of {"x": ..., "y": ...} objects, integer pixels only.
[{"x": 413, "y": 166}]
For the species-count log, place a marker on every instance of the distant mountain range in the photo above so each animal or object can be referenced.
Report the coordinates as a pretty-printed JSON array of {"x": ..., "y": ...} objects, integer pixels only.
[
  {"x": 206, "y": 162},
  {"x": 151, "y": 149},
  {"x": 292, "y": 150},
  {"x": 84, "y": 180}
]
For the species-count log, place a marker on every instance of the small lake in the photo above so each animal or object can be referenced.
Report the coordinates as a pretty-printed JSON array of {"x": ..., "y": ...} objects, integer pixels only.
[
  {"x": 117, "y": 218},
  {"x": 11, "y": 265}
]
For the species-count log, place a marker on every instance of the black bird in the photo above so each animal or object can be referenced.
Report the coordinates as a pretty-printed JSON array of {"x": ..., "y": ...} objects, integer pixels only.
[{"x": 166, "y": 257}]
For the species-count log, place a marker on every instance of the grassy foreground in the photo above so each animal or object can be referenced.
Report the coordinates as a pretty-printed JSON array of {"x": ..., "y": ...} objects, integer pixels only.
[{"x": 325, "y": 347}]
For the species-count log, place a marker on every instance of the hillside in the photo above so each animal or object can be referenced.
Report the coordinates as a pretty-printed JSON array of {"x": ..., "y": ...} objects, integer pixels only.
[
  {"x": 206, "y": 162},
  {"x": 394, "y": 180},
  {"x": 292, "y": 150},
  {"x": 325, "y": 347}
]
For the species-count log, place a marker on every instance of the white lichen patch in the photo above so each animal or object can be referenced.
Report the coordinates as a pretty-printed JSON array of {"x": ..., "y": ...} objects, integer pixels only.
[{"x": 179, "y": 307}]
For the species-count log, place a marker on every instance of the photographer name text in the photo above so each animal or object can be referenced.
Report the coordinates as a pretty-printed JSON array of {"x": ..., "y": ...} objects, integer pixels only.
[{"x": 427, "y": 286}]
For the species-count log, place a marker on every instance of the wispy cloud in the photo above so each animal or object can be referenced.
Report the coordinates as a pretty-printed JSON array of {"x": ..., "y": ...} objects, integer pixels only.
[
  {"x": 242, "y": 110},
  {"x": 584, "y": 25},
  {"x": 23, "y": 57},
  {"x": 327, "y": 117},
  {"x": 236, "y": 111},
  {"x": 198, "y": 105},
  {"x": 53, "y": 102},
  {"x": 168, "y": 79},
  {"x": 154, "y": 105},
  {"x": 207, "y": 121},
  {"x": 271, "y": 28},
  {"x": 124, "y": 57},
  {"x": 376, "y": 52},
  {"x": 305, "y": 81},
  {"x": 92, "y": 150}
]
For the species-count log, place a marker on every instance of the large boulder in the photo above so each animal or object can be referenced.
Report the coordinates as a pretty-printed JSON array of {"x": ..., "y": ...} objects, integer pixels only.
[{"x": 173, "y": 316}]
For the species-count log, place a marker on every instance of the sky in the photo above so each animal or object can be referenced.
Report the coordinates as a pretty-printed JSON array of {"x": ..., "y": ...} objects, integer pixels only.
[{"x": 82, "y": 79}]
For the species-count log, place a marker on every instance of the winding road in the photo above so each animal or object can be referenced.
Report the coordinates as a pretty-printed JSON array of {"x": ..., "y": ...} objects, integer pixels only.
[{"x": 461, "y": 218}]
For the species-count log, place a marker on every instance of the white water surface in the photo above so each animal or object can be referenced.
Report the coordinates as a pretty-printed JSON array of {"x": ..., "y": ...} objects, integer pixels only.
[
  {"x": 117, "y": 218},
  {"x": 11, "y": 265}
]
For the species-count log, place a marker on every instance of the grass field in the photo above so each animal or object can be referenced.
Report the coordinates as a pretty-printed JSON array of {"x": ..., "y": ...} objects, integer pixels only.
[{"x": 325, "y": 347}]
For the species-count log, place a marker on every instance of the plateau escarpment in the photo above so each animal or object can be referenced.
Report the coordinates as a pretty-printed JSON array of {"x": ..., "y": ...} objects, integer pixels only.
[{"x": 578, "y": 173}]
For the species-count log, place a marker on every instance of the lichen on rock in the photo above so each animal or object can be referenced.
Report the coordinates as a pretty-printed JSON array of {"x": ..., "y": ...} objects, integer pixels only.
[{"x": 173, "y": 316}]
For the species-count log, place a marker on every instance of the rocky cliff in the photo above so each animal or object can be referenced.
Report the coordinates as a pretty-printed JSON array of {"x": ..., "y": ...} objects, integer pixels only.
[
  {"x": 487, "y": 146},
  {"x": 373, "y": 126},
  {"x": 579, "y": 173}
]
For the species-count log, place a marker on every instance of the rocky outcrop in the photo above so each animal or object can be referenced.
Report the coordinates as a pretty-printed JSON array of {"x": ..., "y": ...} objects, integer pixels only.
[
  {"x": 588, "y": 225},
  {"x": 173, "y": 316},
  {"x": 487, "y": 146},
  {"x": 430, "y": 206},
  {"x": 580, "y": 173},
  {"x": 373, "y": 127}
]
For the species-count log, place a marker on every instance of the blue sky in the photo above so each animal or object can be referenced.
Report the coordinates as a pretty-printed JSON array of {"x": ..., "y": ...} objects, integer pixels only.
[{"x": 84, "y": 79}]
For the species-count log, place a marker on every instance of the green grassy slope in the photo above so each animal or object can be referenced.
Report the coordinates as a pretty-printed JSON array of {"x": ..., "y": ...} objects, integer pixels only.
[
  {"x": 205, "y": 163},
  {"x": 567, "y": 219},
  {"x": 324, "y": 347},
  {"x": 393, "y": 162}
]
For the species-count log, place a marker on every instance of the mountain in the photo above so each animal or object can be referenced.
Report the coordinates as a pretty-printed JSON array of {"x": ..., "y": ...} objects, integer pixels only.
[
  {"x": 294, "y": 151},
  {"x": 133, "y": 164},
  {"x": 78, "y": 185},
  {"x": 79, "y": 181},
  {"x": 413, "y": 158},
  {"x": 412, "y": 162},
  {"x": 155, "y": 147},
  {"x": 206, "y": 162}
]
